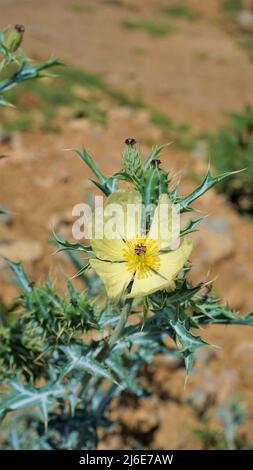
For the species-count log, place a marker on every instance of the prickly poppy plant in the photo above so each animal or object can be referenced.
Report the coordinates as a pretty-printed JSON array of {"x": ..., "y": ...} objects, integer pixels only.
[{"x": 65, "y": 357}]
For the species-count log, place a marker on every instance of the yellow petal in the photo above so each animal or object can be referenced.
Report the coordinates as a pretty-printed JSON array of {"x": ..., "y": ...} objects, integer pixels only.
[
  {"x": 165, "y": 226},
  {"x": 172, "y": 262},
  {"x": 148, "y": 285},
  {"x": 116, "y": 276},
  {"x": 130, "y": 203},
  {"x": 110, "y": 250}
]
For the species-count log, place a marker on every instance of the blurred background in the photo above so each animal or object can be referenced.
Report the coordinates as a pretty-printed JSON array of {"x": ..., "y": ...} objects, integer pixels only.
[{"x": 158, "y": 71}]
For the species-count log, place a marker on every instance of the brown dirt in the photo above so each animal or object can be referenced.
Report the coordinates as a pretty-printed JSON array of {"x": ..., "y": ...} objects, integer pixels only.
[{"x": 196, "y": 75}]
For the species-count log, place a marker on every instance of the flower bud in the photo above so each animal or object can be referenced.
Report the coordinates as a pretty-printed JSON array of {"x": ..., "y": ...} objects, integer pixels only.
[
  {"x": 15, "y": 38},
  {"x": 131, "y": 158}
]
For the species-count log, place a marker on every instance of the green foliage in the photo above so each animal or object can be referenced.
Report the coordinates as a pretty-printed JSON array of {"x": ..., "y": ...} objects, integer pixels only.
[
  {"x": 154, "y": 28},
  {"x": 232, "y": 6},
  {"x": 26, "y": 396},
  {"x": 180, "y": 133},
  {"x": 226, "y": 437},
  {"x": 211, "y": 438},
  {"x": 80, "y": 8},
  {"x": 22, "y": 123},
  {"x": 51, "y": 95},
  {"x": 180, "y": 11},
  {"x": 232, "y": 149},
  {"x": 161, "y": 120},
  {"x": 246, "y": 42}
]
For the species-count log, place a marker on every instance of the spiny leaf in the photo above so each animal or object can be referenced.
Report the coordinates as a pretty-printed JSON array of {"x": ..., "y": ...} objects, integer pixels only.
[
  {"x": 4, "y": 102},
  {"x": 208, "y": 182},
  {"x": 26, "y": 72},
  {"x": 130, "y": 178},
  {"x": 188, "y": 360},
  {"x": 79, "y": 360},
  {"x": 208, "y": 310},
  {"x": 26, "y": 395},
  {"x": 110, "y": 185},
  {"x": 191, "y": 226},
  {"x": 20, "y": 276},
  {"x": 187, "y": 340},
  {"x": 81, "y": 271},
  {"x": 107, "y": 185},
  {"x": 65, "y": 245},
  {"x": 87, "y": 158},
  {"x": 78, "y": 263},
  {"x": 124, "y": 374},
  {"x": 184, "y": 291}
]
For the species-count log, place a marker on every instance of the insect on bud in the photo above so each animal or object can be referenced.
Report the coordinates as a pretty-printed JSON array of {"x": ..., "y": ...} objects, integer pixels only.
[
  {"x": 155, "y": 163},
  {"x": 130, "y": 141},
  {"x": 15, "y": 38},
  {"x": 20, "y": 28}
]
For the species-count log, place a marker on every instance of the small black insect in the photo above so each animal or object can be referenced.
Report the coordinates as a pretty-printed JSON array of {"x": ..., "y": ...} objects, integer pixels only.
[
  {"x": 74, "y": 302},
  {"x": 20, "y": 28},
  {"x": 130, "y": 141},
  {"x": 155, "y": 163},
  {"x": 32, "y": 284}
]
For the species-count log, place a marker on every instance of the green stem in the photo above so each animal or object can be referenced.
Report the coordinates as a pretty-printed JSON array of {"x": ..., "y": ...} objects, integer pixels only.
[{"x": 116, "y": 334}]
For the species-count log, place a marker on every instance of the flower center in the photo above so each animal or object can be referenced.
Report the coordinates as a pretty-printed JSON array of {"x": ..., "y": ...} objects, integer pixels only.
[
  {"x": 140, "y": 249},
  {"x": 142, "y": 255}
]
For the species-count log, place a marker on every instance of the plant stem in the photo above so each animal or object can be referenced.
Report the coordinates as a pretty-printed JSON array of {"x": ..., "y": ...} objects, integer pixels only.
[{"x": 108, "y": 346}]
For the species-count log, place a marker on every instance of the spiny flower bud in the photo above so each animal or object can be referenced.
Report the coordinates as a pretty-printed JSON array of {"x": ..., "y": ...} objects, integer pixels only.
[
  {"x": 131, "y": 158},
  {"x": 15, "y": 38}
]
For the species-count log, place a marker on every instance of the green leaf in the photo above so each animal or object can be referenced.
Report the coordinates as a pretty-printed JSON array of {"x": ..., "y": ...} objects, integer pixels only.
[
  {"x": 87, "y": 158},
  {"x": 20, "y": 276},
  {"x": 77, "y": 359},
  {"x": 77, "y": 261},
  {"x": 208, "y": 182},
  {"x": 192, "y": 226},
  {"x": 123, "y": 373},
  {"x": 208, "y": 310},
  {"x": 65, "y": 245},
  {"x": 4, "y": 102},
  {"x": 82, "y": 270},
  {"x": 184, "y": 291},
  {"x": 26, "y": 395},
  {"x": 130, "y": 178},
  {"x": 188, "y": 360},
  {"x": 186, "y": 339},
  {"x": 27, "y": 72},
  {"x": 106, "y": 185}
]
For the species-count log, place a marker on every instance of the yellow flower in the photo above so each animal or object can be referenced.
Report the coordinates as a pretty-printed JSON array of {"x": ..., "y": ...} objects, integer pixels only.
[{"x": 136, "y": 258}]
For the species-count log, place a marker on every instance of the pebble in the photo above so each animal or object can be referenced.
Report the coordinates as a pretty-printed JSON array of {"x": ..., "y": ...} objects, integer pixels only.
[{"x": 245, "y": 21}]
